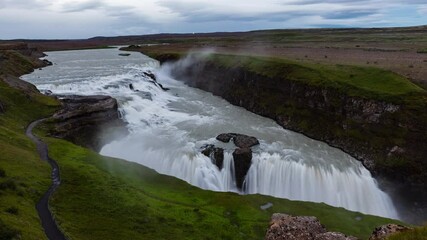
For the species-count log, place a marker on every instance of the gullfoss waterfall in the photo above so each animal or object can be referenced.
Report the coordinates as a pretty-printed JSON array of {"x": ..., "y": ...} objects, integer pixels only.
[{"x": 169, "y": 128}]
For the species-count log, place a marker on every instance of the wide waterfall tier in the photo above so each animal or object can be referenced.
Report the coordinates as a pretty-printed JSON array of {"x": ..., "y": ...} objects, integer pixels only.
[{"x": 168, "y": 129}]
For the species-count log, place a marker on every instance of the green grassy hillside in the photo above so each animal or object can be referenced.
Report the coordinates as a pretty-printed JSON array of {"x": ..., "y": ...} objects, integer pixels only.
[{"x": 106, "y": 198}]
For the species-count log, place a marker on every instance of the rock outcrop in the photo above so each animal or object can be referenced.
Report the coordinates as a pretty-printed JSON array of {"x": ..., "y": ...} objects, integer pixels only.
[
  {"x": 385, "y": 231},
  {"x": 286, "y": 227},
  {"x": 85, "y": 120},
  {"x": 242, "y": 162},
  {"x": 242, "y": 155},
  {"x": 153, "y": 80},
  {"x": 216, "y": 154},
  {"x": 240, "y": 140}
]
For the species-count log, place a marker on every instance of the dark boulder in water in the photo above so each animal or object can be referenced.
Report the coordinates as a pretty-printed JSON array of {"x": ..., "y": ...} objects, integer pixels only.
[
  {"x": 240, "y": 140},
  {"x": 242, "y": 155},
  {"x": 242, "y": 162},
  {"x": 216, "y": 154},
  {"x": 153, "y": 79},
  {"x": 151, "y": 75}
]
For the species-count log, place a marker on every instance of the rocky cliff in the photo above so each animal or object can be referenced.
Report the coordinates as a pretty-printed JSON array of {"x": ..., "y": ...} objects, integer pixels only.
[
  {"x": 88, "y": 120},
  {"x": 389, "y": 135}
]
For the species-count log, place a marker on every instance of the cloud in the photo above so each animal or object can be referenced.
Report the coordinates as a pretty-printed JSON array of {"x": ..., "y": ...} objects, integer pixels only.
[
  {"x": 82, "y": 6},
  {"x": 87, "y": 18}
]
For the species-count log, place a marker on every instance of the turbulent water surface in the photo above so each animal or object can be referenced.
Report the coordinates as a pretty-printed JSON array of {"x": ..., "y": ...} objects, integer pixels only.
[{"x": 169, "y": 127}]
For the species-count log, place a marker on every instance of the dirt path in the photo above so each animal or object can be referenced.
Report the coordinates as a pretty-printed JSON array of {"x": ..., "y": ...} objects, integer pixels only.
[{"x": 49, "y": 225}]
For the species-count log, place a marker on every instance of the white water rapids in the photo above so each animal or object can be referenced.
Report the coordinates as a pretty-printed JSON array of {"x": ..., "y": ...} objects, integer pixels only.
[{"x": 168, "y": 128}]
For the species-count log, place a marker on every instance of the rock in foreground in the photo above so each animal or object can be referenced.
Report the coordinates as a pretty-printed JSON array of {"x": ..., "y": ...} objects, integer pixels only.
[{"x": 286, "y": 227}]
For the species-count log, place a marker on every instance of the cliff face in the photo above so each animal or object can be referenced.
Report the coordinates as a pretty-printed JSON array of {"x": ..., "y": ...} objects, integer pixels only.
[
  {"x": 388, "y": 137},
  {"x": 86, "y": 120}
]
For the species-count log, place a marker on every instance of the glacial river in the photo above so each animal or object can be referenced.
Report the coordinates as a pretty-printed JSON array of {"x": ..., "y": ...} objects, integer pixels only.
[{"x": 168, "y": 128}]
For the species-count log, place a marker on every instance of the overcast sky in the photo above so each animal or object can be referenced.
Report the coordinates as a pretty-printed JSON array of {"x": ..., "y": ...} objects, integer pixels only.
[{"x": 42, "y": 19}]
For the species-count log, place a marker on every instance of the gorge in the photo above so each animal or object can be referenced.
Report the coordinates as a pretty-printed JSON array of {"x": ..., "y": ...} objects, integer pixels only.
[{"x": 182, "y": 120}]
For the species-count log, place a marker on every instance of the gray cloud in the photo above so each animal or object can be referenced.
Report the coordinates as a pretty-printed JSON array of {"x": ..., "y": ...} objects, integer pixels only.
[
  {"x": 83, "y": 6},
  {"x": 86, "y": 18}
]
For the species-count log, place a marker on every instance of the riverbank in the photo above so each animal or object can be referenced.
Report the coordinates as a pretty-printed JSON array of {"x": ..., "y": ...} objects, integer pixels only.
[{"x": 374, "y": 115}]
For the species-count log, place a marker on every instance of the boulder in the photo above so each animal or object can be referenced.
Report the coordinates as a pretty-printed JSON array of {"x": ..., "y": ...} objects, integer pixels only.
[
  {"x": 216, "y": 154},
  {"x": 242, "y": 162},
  {"x": 154, "y": 80},
  {"x": 86, "y": 120},
  {"x": 226, "y": 137},
  {"x": 385, "y": 231},
  {"x": 243, "y": 141},
  {"x": 47, "y": 62},
  {"x": 151, "y": 75},
  {"x": 240, "y": 140},
  {"x": 283, "y": 226}
]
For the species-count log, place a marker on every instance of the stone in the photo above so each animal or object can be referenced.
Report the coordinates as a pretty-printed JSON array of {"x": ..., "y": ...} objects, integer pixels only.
[
  {"x": 242, "y": 162},
  {"x": 240, "y": 140},
  {"x": 225, "y": 137},
  {"x": 216, "y": 154},
  {"x": 385, "y": 231},
  {"x": 244, "y": 141},
  {"x": 151, "y": 75}
]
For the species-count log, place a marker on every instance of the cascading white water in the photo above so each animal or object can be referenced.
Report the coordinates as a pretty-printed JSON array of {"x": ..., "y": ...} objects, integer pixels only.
[{"x": 167, "y": 130}]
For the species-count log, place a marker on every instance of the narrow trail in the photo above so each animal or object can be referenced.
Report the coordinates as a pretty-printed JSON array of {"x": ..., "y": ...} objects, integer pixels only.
[{"x": 49, "y": 225}]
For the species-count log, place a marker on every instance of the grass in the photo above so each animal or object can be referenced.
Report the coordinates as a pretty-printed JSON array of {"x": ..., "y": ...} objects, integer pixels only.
[
  {"x": 24, "y": 177},
  {"x": 100, "y": 192}
]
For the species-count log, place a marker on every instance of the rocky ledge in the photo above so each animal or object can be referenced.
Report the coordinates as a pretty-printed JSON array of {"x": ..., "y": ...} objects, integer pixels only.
[
  {"x": 88, "y": 120},
  {"x": 242, "y": 155}
]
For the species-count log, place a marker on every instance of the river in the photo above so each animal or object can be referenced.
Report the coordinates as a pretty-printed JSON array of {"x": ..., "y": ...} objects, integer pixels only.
[{"x": 168, "y": 128}]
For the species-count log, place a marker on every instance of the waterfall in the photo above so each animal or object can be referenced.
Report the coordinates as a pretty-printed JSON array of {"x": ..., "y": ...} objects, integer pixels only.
[
  {"x": 354, "y": 189},
  {"x": 168, "y": 129}
]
